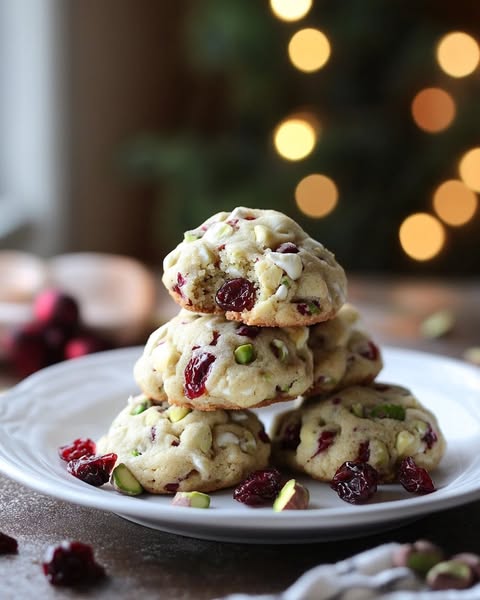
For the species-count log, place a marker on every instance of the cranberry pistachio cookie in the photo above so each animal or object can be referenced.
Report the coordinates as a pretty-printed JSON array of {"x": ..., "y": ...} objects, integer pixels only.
[
  {"x": 379, "y": 424},
  {"x": 206, "y": 362},
  {"x": 343, "y": 354},
  {"x": 171, "y": 448},
  {"x": 258, "y": 267}
]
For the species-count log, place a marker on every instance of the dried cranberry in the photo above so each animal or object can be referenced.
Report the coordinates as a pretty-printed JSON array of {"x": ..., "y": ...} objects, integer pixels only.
[
  {"x": 249, "y": 218},
  {"x": 236, "y": 294},
  {"x": 290, "y": 437},
  {"x": 196, "y": 373},
  {"x": 94, "y": 470},
  {"x": 216, "y": 335},
  {"x": 287, "y": 248},
  {"x": 71, "y": 564},
  {"x": 177, "y": 288},
  {"x": 308, "y": 308},
  {"x": 355, "y": 482},
  {"x": 325, "y": 441},
  {"x": 369, "y": 351},
  {"x": 430, "y": 437},
  {"x": 78, "y": 448},
  {"x": 8, "y": 545},
  {"x": 249, "y": 331},
  {"x": 53, "y": 306},
  {"x": 363, "y": 452},
  {"x": 259, "y": 488},
  {"x": 414, "y": 479},
  {"x": 172, "y": 487}
]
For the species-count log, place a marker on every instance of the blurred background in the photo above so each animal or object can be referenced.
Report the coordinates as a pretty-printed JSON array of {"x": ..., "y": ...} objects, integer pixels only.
[{"x": 122, "y": 124}]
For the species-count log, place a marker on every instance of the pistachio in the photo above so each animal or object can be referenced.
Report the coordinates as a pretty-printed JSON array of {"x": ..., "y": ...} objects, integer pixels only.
[
  {"x": 420, "y": 556},
  {"x": 124, "y": 481},
  {"x": 286, "y": 282},
  {"x": 244, "y": 354},
  {"x": 177, "y": 413},
  {"x": 420, "y": 426},
  {"x": 357, "y": 409},
  {"x": 135, "y": 452},
  {"x": 450, "y": 575},
  {"x": 406, "y": 443},
  {"x": 219, "y": 230},
  {"x": 388, "y": 411},
  {"x": 472, "y": 560},
  {"x": 141, "y": 407},
  {"x": 293, "y": 496},
  {"x": 191, "y": 499},
  {"x": 191, "y": 236},
  {"x": 438, "y": 324},
  {"x": 280, "y": 349}
]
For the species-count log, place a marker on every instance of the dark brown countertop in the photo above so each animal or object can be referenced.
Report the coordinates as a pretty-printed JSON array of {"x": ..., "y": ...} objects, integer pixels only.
[{"x": 147, "y": 564}]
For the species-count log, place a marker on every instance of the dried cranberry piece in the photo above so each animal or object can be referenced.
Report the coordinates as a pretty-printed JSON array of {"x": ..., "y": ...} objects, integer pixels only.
[
  {"x": 216, "y": 335},
  {"x": 94, "y": 470},
  {"x": 290, "y": 437},
  {"x": 8, "y": 545},
  {"x": 355, "y": 482},
  {"x": 414, "y": 479},
  {"x": 308, "y": 308},
  {"x": 249, "y": 331},
  {"x": 287, "y": 248},
  {"x": 236, "y": 294},
  {"x": 325, "y": 441},
  {"x": 180, "y": 283},
  {"x": 78, "y": 448},
  {"x": 363, "y": 452},
  {"x": 71, "y": 564},
  {"x": 430, "y": 437},
  {"x": 172, "y": 487},
  {"x": 249, "y": 218},
  {"x": 196, "y": 373},
  {"x": 259, "y": 488},
  {"x": 370, "y": 351}
]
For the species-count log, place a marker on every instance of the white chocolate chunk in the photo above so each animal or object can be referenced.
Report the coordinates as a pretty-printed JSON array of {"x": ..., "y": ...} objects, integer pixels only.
[
  {"x": 225, "y": 438},
  {"x": 282, "y": 293},
  {"x": 290, "y": 263}
]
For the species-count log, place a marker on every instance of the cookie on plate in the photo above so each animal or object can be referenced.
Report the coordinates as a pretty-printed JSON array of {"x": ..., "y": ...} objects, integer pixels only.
[
  {"x": 206, "y": 362},
  {"x": 258, "y": 267},
  {"x": 170, "y": 448},
  {"x": 343, "y": 354},
  {"x": 380, "y": 424}
]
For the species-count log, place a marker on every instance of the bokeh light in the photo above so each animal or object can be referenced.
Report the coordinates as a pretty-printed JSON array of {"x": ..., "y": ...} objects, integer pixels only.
[
  {"x": 294, "y": 139},
  {"x": 290, "y": 10},
  {"x": 422, "y": 236},
  {"x": 316, "y": 195},
  {"x": 309, "y": 50},
  {"x": 469, "y": 168},
  {"x": 433, "y": 109},
  {"x": 454, "y": 202},
  {"x": 458, "y": 54}
]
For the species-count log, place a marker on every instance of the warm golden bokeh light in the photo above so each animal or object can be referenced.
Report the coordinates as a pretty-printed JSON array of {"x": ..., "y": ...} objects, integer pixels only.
[
  {"x": 454, "y": 202},
  {"x": 433, "y": 109},
  {"x": 290, "y": 10},
  {"x": 469, "y": 168},
  {"x": 309, "y": 50},
  {"x": 294, "y": 139},
  {"x": 458, "y": 54},
  {"x": 421, "y": 236},
  {"x": 316, "y": 195}
]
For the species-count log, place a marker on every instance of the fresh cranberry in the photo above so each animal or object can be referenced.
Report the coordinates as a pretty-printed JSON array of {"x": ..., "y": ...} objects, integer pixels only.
[
  {"x": 87, "y": 343},
  {"x": 71, "y": 564},
  {"x": 259, "y": 488},
  {"x": 290, "y": 437},
  {"x": 236, "y": 294},
  {"x": 53, "y": 306},
  {"x": 78, "y": 448},
  {"x": 94, "y": 470},
  {"x": 355, "y": 482},
  {"x": 325, "y": 441},
  {"x": 249, "y": 331},
  {"x": 369, "y": 351},
  {"x": 287, "y": 248},
  {"x": 414, "y": 479},
  {"x": 363, "y": 452},
  {"x": 430, "y": 437},
  {"x": 8, "y": 545},
  {"x": 196, "y": 373}
]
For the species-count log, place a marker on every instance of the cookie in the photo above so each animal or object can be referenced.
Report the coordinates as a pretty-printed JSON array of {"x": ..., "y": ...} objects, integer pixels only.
[
  {"x": 380, "y": 424},
  {"x": 258, "y": 267},
  {"x": 170, "y": 449},
  {"x": 343, "y": 354},
  {"x": 207, "y": 363}
]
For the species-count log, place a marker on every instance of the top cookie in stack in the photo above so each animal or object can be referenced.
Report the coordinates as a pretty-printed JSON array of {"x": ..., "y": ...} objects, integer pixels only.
[{"x": 264, "y": 320}]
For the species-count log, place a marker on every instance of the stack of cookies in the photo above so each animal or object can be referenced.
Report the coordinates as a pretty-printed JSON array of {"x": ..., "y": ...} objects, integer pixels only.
[{"x": 263, "y": 320}]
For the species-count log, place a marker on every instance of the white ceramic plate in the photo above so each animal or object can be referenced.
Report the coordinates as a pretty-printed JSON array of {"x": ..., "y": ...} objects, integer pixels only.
[{"x": 79, "y": 398}]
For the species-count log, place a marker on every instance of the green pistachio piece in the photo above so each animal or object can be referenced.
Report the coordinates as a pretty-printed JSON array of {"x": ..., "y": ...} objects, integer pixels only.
[
  {"x": 124, "y": 481},
  {"x": 140, "y": 407},
  {"x": 286, "y": 282},
  {"x": 135, "y": 453},
  {"x": 244, "y": 354},
  {"x": 177, "y": 413},
  {"x": 280, "y": 349},
  {"x": 388, "y": 411},
  {"x": 438, "y": 324},
  {"x": 313, "y": 308},
  {"x": 191, "y": 236},
  {"x": 192, "y": 499},
  {"x": 357, "y": 410},
  {"x": 293, "y": 496}
]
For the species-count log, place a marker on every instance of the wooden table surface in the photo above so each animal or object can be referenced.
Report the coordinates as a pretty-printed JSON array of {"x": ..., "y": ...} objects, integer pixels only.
[{"x": 147, "y": 564}]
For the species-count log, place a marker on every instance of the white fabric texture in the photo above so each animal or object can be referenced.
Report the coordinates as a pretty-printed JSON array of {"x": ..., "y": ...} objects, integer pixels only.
[{"x": 369, "y": 575}]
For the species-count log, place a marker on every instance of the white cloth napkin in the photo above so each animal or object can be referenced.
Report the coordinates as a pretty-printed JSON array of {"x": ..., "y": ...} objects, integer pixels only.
[{"x": 365, "y": 576}]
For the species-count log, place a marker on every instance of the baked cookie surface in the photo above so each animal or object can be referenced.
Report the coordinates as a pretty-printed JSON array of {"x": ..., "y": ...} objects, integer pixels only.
[
  {"x": 170, "y": 449},
  {"x": 258, "y": 267},
  {"x": 206, "y": 362},
  {"x": 379, "y": 424},
  {"x": 343, "y": 354}
]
